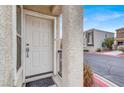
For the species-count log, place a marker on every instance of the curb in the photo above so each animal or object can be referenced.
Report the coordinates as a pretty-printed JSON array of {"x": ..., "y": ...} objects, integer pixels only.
[
  {"x": 102, "y": 82},
  {"x": 118, "y": 56}
]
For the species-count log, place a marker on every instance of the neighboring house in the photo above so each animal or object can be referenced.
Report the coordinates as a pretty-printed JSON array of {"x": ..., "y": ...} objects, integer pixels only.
[
  {"x": 29, "y": 44},
  {"x": 93, "y": 39},
  {"x": 119, "y": 36}
]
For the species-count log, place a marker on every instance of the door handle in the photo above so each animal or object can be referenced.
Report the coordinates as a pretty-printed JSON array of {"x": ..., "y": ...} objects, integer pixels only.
[{"x": 27, "y": 50}]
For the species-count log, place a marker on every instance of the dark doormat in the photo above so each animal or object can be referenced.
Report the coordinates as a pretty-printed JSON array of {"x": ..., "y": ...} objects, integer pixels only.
[{"x": 46, "y": 82}]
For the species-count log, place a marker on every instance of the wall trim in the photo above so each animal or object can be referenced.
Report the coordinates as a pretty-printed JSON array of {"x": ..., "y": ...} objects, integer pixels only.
[{"x": 40, "y": 74}]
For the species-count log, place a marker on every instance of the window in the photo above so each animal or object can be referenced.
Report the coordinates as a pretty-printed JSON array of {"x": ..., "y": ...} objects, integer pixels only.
[
  {"x": 60, "y": 26},
  {"x": 90, "y": 38},
  {"x": 18, "y": 52},
  {"x": 18, "y": 36},
  {"x": 105, "y": 35},
  {"x": 60, "y": 62},
  {"x": 59, "y": 50}
]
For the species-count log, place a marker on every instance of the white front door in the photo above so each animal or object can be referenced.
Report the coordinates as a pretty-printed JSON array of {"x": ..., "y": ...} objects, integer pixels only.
[{"x": 38, "y": 35}]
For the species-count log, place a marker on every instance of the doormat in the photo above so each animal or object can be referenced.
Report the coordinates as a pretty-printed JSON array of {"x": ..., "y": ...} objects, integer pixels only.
[{"x": 46, "y": 82}]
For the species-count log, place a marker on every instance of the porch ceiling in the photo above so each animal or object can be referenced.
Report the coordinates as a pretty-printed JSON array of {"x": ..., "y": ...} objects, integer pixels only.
[{"x": 53, "y": 10}]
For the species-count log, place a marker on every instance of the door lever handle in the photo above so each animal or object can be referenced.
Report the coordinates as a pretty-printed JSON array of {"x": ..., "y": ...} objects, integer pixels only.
[{"x": 27, "y": 52}]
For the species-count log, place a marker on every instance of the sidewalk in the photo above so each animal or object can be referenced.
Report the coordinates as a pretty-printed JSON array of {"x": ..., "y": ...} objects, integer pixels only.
[
  {"x": 119, "y": 54},
  {"x": 113, "y": 53},
  {"x": 102, "y": 82}
]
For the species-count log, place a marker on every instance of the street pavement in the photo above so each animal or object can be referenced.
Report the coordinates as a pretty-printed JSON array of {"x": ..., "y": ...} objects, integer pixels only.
[{"x": 109, "y": 67}]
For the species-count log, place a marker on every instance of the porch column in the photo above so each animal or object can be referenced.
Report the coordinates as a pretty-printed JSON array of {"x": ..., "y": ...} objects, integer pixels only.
[
  {"x": 6, "y": 63},
  {"x": 72, "y": 69}
]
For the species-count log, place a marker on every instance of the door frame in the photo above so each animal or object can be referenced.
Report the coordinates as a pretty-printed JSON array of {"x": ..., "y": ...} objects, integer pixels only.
[{"x": 33, "y": 13}]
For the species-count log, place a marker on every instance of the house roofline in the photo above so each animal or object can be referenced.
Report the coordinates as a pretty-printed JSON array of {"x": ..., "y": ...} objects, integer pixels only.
[
  {"x": 94, "y": 29},
  {"x": 122, "y": 28}
]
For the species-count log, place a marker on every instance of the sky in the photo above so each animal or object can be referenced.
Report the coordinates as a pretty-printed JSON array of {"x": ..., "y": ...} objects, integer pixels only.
[{"x": 103, "y": 17}]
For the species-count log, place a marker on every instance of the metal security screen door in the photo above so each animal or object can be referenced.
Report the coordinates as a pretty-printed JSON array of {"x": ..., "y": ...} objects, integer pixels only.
[{"x": 39, "y": 45}]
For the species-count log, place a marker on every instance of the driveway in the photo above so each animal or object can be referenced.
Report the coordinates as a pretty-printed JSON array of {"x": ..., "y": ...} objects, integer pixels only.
[{"x": 109, "y": 67}]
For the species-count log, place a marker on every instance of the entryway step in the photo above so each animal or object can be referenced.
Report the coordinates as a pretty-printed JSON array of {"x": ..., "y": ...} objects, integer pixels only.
[{"x": 46, "y": 82}]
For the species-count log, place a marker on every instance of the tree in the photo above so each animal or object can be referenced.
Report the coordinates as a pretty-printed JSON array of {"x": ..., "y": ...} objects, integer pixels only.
[{"x": 107, "y": 43}]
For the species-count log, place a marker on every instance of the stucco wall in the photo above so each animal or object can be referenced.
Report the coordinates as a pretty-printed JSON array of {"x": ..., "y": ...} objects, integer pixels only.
[
  {"x": 90, "y": 48},
  {"x": 72, "y": 69},
  {"x": 8, "y": 73},
  {"x": 6, "y": 46},
  {"x": 19, "y": 80},
  {"x": 99, "y": 37},
  {"x": 120, "y": 33}
]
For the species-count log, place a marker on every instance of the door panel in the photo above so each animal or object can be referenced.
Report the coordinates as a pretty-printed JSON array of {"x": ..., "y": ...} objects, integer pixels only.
[{"x": 39, "y": 37}]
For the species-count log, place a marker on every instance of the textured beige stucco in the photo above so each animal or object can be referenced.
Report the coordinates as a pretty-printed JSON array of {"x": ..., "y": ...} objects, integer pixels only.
[
  {"x": 72, "y": 74},
  {"x": 5, "y": 46},
  {"x": 19, "y": 80}
]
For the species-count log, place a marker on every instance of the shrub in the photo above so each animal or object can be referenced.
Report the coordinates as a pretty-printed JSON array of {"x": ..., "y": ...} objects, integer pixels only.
[
  {"x": 88, "y": 76},
  {"x": 86, "y": 50},
  {"x": 98, "y": 50},
  {"x": 121, "y": 48},
  {"x": 107, "y": 43}
]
